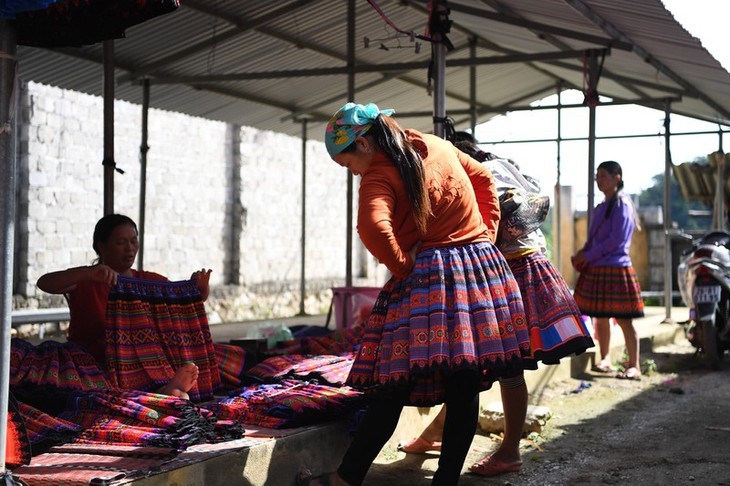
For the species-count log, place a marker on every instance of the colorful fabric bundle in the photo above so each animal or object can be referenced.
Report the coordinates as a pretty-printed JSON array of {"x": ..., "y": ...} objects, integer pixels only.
[
  {"x": 17, "y": 442},
  {"x": 333, "y": 370},
  {"x": 154, "y": 327},
  {"x": 54, "y": 364},
  {"x": 290, "y": 403},
  {"x": 522, "y": 213},
  {"x": 338, "y": 342},
  {"x": 231, "y": 360},
  {"x": 45, "y": 431},
  {"x": 139, "y": 418},
  {"x": 71, "y": 23}
]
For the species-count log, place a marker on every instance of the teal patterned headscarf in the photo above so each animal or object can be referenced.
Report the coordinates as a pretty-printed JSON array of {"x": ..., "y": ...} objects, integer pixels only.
[{"x": 350, "y": 122}]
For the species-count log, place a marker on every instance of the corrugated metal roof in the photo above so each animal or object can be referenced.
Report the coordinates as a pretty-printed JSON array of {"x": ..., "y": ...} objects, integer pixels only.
[
  {"x": 698, "y": 182},
  {"x": 204, "y": 40}
]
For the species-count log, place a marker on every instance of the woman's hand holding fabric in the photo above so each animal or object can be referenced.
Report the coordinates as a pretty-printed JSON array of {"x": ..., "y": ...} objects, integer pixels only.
[
  {"x": 202, "y": 281},
  {"x": 579, "y": 261},
  {"x": 102, "y": 273}
]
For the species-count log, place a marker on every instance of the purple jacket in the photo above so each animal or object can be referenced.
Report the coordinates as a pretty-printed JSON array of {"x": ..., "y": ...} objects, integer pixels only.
[{"x": 609, "y": 239}]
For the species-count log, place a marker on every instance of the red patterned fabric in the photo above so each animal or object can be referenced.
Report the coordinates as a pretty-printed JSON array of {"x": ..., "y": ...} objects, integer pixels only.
[
  {"x": 609, "y": 292},
  {"x": 120, "y": 417},
  {"x": 231, "y": 360},
  {"x": 460, "y": 309},
  {"x": 17, "y": 441},
  {"x": 45, "y": 431},
  {"x": 289, "y": 403},
  {"x": 553, "y": 317},
  {"x": 152, "y": 329},
  {"x": 54, "y": 364},
  {"x": 331, "y": 369}
]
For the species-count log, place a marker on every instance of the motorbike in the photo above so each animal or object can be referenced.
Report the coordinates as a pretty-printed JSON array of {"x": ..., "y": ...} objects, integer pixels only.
[{"x": 704, "y": 284}]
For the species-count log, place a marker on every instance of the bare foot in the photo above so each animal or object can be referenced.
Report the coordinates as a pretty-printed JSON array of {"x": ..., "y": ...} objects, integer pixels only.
[{"x": 185, "y": 378}]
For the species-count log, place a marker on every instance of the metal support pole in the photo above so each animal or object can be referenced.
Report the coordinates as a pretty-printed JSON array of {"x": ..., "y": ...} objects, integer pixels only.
[
  {"x": 439, "y": 95},
  {"x": 718, "y": 217},
  {"x": 8, "y": 96},
  {"x": 350, "y": 97},
  {"x": 473, "y": 87},
  {"x": 593, "y": 82},
  {"x": 667, "y": 215},
  {"x": 439, "y": 25},
  {"x": 109, "y": 163},
  {"x": 143, "y": 149},
  {"x": 558, "y": 195},
  {"x": 302, "y": 275}
]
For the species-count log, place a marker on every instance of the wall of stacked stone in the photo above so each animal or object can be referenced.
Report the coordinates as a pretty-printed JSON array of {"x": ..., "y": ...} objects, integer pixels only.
[{"x": 218, "y": 196}]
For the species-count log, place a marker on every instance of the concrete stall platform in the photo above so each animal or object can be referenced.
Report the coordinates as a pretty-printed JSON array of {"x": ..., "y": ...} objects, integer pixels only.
[{"x": 268, "y": 457}]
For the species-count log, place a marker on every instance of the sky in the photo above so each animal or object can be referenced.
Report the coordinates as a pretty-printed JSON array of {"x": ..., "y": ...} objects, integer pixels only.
[{"x": 641, "y": 158}]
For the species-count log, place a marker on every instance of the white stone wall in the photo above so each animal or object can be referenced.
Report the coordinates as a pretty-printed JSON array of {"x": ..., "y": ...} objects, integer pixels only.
[{"x": 189, "y": 198}]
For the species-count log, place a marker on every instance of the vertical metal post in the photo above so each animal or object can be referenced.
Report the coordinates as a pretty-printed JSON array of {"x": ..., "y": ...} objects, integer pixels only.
[
  {"x": 558, "y": 195},
  {"x": 302, "y": 276},
  {"x": 439, "y": 95},
  {"x": 350, "y": 97},
  {"x": 473, "y": 86},
  {"x": 109, "y": 163},
  {"x": 592, "y": 81},
  {"x": 8, "y": 96},
  {"x": 667, "y": 215},
  {"x": 143, "y": 149},
  {"x": 718, "y": 217}
]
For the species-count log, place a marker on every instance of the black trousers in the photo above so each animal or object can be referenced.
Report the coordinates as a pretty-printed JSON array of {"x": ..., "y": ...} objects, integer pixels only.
[{"x": 381, "y": 419}]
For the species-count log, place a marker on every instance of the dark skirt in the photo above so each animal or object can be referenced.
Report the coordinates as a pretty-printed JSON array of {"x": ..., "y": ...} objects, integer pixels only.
[
  {"x": 459, "y": 310},
  {"x": 609, "y": 292},
  {"x": 553, "y": 317}
]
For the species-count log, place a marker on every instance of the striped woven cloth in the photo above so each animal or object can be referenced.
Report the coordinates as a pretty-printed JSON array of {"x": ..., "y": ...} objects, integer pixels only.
[
  {"x": 153, "y": 328},
  {"x": 147, "y": 419}
]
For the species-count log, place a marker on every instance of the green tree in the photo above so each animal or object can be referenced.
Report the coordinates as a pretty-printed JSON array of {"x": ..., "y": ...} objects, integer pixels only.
[{"x": 654, "y": 196}]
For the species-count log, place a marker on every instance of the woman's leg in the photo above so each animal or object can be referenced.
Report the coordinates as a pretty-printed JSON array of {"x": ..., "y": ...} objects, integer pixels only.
[
  {"x": 603, "y": 334},
  {"x": 431, "y": 437},
  {"x": 507, "y": 456},
  {"x": 434, "y": 432},
  {"x": 631, "y": 338},
  {"x": 462, "y": 413},
  {"x": 514, "y": 403},
  {"x": 376, "y": 427}
]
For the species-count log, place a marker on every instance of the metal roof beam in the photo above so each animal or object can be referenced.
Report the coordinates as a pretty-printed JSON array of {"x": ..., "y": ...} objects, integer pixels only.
[
  {"x": 500, "y": 7},
  {"x": 240, "y": 27},
  {"x": 623, "y": 80},
  {"x": 581, "y": 7},
  {"x": 394, "y": 67},
  {"x": 541, "y": 28}
]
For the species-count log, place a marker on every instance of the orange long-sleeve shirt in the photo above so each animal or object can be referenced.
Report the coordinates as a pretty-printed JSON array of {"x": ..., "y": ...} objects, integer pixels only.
[{"x": 464, "y": 204}]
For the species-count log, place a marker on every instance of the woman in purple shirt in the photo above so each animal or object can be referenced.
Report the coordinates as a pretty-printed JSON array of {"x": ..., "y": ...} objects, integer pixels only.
[{"x": 607, "y": 286}]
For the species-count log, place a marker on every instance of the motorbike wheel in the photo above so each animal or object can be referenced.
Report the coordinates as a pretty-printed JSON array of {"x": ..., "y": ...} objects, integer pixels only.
[{"x": 712, "y": 355}]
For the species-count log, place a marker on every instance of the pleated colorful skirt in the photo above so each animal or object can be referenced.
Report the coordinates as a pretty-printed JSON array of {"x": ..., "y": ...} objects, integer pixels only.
[
  {"x": 609, "y": 292},
  {"x": 459, "y": 310},
  {"x": 553, "y": 317},
  {"x": 153, "y": 328}
]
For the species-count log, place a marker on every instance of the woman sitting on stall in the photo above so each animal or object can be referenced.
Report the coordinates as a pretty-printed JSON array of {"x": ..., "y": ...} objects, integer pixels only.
[{"x": 87, "y": 290}]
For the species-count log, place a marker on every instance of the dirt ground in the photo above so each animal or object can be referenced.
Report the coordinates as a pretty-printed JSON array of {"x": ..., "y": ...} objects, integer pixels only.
[{"x": 672, "y": 426}]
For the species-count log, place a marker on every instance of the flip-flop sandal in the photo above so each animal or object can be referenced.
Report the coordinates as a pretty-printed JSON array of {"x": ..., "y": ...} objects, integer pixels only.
[
  {"x": 305, "y": 478},
  {"x": 603, "y": 368},
  {"x": 489, "y": 466},
  {"x": 419, "y": 446},
  {"x": 629, "y": 374}
]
